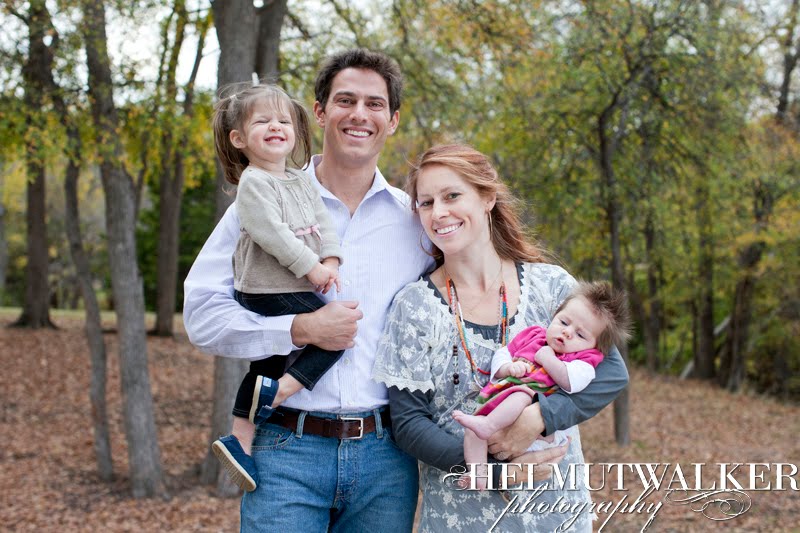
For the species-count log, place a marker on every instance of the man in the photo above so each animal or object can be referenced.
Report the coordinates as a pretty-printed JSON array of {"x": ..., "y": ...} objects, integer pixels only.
[
  {"x": 326, "y": 460},
  {"x": 310, "y": 477}
]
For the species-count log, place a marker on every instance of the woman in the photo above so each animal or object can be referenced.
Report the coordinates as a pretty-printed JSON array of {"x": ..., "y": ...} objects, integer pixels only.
[{"x": 442, "y": 330}]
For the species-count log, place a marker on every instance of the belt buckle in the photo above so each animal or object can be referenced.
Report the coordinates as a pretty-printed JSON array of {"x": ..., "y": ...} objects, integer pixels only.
[{"x": 361, "y": 428}]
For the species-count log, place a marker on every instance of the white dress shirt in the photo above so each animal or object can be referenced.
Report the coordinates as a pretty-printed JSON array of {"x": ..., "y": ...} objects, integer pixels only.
[{"x": 382, "y": 246}]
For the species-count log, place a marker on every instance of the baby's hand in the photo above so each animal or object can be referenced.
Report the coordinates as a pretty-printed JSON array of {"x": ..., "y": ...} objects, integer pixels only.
[
  {"x": 545, "y": 352},
  {"x": 518, "y": 369}
]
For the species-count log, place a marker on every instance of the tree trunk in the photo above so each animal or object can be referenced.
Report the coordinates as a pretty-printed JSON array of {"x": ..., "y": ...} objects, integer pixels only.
[
  {"x": 3, "y": 251},
  {"x": 271, "y": 18},
  {"x": 94, "y": 329},
  {"x": 170, "y": 193},
  {"x": 765, "y": 195},
  {"x": 248, "y": 40},
  {"x": 35, "y": 310},
  {"x": 652, "y": 324},
  {"x": 227, "y": 376},
  {"x": 143, "y": 451},
  {"x": 613, "y": 217},
  {"x": 94, "y": 333},
  {"x": 704, "y": 347}
]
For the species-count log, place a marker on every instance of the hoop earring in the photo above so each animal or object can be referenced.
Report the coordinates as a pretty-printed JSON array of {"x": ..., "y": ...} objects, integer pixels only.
[{"x": 422, "y": 244}]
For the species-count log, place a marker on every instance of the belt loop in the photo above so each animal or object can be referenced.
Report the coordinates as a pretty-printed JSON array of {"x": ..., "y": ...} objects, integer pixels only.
[
  {"x": 300, "y": 421},
  {"x": 378, "y": 423}
]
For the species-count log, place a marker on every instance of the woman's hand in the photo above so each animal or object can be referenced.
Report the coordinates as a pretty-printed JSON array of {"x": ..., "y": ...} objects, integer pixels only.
[
  {"x": 542, "y": 463},
  {"x": 513, "y": 440}
]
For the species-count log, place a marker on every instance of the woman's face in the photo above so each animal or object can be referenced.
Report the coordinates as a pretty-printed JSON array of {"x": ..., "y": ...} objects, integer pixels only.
[{"x": 452, "y": 211}]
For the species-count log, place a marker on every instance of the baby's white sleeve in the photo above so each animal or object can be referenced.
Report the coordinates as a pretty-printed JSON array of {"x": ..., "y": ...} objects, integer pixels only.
[
  {"x": 580, "y": 374},
  {"x": 501, "y": 357}
]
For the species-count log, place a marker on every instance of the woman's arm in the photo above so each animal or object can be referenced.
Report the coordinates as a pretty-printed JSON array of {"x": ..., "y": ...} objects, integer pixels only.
[{"x": 417, "y": 434}]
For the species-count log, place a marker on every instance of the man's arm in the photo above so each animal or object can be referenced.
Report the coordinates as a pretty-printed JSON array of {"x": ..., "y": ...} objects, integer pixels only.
[
  {"x": 562, "y": 410},
  {"x": 217, "y": 324},
  {"x": 214, "y": 321}
]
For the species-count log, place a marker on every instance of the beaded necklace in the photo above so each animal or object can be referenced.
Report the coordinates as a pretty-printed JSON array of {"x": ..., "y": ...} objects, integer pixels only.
[{"x": 458, "y": 318}]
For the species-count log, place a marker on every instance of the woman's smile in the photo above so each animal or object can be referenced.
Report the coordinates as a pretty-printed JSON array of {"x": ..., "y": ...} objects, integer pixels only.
[{"x": 447, "y": 230}]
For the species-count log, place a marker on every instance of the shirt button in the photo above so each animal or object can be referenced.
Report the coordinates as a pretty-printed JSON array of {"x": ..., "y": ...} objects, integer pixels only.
[
  {"x": 347, "y": 283},
  {"x": 305, "y": 204}
]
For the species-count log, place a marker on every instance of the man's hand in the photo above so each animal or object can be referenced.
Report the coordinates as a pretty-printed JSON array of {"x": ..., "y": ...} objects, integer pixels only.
[
  {"x": 513, "y": 440},
  {"x": 332, "y": 327}
]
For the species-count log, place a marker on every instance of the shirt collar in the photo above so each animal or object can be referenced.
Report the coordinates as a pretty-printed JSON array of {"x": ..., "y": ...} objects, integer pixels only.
[{"x": 379, "y": 183}]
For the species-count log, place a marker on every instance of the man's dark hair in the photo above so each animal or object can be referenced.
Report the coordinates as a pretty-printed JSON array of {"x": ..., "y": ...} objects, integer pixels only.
[{"x": 362, "y": 58}]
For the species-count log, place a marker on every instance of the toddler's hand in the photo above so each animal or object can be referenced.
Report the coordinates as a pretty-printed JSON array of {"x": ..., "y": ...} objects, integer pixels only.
[
  {"x": 323, "y": 277},
  {"x": 332, "y": 263}
]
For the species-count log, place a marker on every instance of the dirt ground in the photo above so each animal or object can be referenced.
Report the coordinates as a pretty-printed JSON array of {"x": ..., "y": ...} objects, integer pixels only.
[{"x": 48, "y": 480}]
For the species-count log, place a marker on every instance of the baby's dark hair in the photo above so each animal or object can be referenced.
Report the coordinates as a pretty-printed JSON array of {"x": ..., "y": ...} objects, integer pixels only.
[
  {"x": 611, "y": 306},
  {"x": 236, "y": 105}
]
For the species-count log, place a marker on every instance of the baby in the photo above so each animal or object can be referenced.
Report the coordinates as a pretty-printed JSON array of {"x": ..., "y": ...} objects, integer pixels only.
[{"x": 591, "y": 320}]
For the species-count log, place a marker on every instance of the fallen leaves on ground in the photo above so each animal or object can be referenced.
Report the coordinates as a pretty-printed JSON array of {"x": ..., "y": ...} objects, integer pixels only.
[{"x": 48, "y": 480}]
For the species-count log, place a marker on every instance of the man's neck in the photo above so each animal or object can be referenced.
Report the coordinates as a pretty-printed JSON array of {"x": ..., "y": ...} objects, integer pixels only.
[{"x": 348, "y": 183}]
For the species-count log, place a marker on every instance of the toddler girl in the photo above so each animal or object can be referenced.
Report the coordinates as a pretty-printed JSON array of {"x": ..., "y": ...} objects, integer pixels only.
[{"x": 287, "y": 248}]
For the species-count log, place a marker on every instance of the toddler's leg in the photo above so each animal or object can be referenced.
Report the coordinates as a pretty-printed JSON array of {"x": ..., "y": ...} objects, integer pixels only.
[
  {"x": 287, "y": 386},
  {"x": 475, "y": 452},
  {"x": 244, "y": 431},
  {"x": 503, "y": 415},
  {"x": 233, "y": 451},
  {"x": 268, "y": 394}
]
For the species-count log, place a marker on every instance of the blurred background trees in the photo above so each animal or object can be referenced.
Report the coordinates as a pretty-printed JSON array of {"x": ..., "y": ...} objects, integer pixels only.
[{"x": 654, "y": 143}]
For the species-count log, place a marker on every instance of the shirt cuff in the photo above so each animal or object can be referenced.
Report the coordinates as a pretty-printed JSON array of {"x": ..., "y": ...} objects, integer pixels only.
[{"x": 278, "y": 340}]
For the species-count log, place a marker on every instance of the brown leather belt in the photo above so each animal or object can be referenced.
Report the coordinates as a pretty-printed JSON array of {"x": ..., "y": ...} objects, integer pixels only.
[{"x": 343, "y": 427}]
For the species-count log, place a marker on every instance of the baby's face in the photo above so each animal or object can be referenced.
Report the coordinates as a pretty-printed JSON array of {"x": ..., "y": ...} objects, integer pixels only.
[{"x": 574, "y": 328}]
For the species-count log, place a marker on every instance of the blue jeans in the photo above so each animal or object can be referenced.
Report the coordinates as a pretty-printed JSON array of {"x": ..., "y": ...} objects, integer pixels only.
[{"x": 311, "y": 484}]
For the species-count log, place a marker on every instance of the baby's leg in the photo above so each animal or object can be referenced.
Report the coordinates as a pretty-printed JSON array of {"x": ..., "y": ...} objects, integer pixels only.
[
  {"x": 503, "y": 415},
  {"x": 475, "y": 452}
]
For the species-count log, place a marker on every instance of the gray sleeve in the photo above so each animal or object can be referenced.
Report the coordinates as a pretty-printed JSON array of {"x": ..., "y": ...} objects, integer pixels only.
[
  {"x": 417, "y": 434},
  {"x": 562, "y": 410}
]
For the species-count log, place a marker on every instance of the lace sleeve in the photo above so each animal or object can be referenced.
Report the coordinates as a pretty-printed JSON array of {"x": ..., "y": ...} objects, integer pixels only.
[{"x": 403, "y": 355}]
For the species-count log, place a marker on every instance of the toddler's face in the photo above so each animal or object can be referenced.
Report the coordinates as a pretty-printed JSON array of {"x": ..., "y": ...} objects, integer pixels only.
[{"x": 574, "y": 328}]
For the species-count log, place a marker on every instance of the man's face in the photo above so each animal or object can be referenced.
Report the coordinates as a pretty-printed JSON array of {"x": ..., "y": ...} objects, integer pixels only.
[{"x": 356, "y": 118}]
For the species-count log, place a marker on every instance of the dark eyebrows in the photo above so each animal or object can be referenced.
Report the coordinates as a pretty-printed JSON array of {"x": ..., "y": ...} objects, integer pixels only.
[{"x": 351, "y": 94}]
